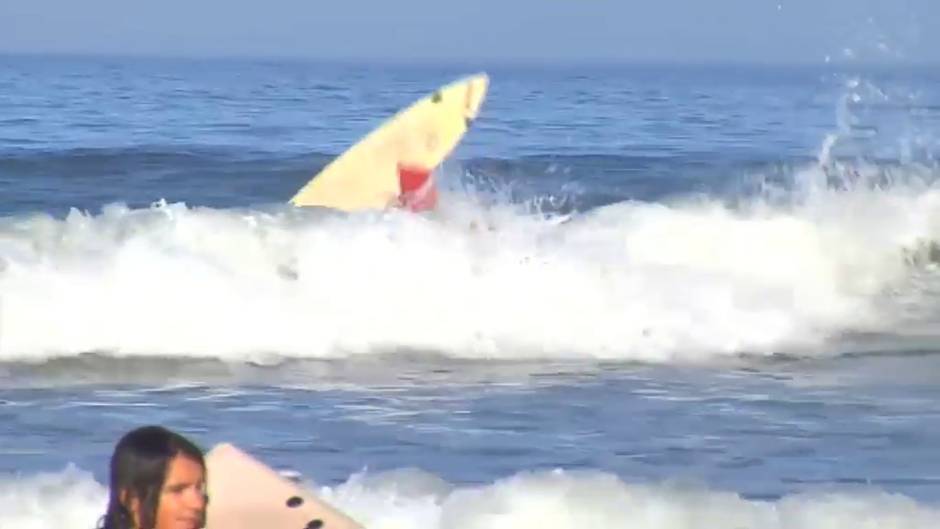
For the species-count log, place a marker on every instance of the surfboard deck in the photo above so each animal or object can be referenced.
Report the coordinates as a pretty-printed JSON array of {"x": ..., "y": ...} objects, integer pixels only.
[
  {"x": 393, "y": 165},
  {"x": 247, "y": 494}
]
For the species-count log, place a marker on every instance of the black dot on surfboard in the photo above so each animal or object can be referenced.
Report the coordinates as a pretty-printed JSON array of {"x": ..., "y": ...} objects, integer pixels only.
[
  {"x": 436, "y": 98},
  {"x": 314, "y": 524},
  {"x": 295, "y": 501},
  {"x": 468, "y": 122}
]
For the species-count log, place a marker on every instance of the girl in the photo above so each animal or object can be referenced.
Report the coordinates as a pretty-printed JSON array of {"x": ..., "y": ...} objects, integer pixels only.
[{"x": 158, "y": 481}]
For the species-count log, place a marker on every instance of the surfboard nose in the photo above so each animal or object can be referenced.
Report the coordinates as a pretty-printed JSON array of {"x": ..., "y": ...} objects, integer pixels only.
[{"x": 477, "y": 87}]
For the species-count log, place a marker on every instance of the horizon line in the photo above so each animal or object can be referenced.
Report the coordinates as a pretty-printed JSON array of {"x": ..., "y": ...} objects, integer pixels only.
[{"x": 362, "y": 60}]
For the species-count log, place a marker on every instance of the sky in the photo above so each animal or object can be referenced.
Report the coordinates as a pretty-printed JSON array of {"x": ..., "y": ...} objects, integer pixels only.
[{"x": 762, "y": 31}]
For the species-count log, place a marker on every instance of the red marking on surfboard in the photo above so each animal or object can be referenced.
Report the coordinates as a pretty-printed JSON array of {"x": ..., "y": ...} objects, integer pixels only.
[{"x": 418, "y": 190}]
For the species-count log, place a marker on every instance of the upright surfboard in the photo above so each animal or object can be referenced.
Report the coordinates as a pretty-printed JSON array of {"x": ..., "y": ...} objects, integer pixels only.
[
  {"x": 393, "y": 165},
  {"x": 247, "y": 494}
]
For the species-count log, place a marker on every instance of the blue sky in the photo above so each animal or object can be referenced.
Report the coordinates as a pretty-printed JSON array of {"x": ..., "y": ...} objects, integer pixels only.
[{"x": 545, "y": 30}]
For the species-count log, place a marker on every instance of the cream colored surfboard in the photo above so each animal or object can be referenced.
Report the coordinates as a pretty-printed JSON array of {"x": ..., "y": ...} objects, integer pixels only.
[
  {"x": 247, "y": 494},
  {"x": 368, "y": 175}
]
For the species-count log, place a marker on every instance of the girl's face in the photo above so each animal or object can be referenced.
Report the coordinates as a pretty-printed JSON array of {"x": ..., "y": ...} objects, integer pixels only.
[{"x": 183, "y": 497}]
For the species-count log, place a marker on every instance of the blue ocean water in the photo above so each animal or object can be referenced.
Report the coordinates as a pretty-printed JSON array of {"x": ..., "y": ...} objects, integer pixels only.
[{"x": 652, "y": 296}]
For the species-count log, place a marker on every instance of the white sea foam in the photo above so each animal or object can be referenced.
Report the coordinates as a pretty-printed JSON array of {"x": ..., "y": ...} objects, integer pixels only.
[
  {"x": 634, "y": 280},
  {"x": 407, "y": 499}
]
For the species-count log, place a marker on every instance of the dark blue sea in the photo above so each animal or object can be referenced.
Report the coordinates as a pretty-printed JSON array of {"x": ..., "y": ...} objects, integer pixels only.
[{"x": 653, "y": 296}]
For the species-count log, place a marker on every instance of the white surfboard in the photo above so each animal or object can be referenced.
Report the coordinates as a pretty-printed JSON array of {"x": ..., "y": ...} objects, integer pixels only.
[
  {"x": 392, "y": 166},
  {"x": 247, "y": 494}
]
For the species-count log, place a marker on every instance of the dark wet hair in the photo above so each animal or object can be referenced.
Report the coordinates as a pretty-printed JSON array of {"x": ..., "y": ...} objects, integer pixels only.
[{"x": 138, "y": 469}]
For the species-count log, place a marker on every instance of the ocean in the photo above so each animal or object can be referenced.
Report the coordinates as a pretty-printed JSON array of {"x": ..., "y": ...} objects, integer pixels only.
[{"x": 652, "y": 296}]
